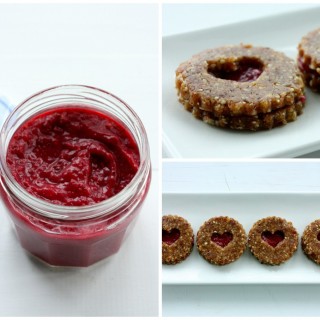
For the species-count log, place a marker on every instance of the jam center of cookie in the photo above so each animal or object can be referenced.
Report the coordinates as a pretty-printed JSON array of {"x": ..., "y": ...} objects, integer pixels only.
[
  {"x": 272, "y": 239},
  {"x": 222, "y": 240},
  {"x": 170, "y": 237},
  {"x": 244, "y": 70}
]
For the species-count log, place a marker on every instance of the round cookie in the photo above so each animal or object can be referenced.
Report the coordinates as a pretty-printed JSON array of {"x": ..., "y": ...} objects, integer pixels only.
[
  {"x": 241, "y": 81},
  {"x": 273, "y": 240},
  {"x": 310, "y": 241},
  {"x": 221, "y": 240},
  {"x": 309, "y": 59},
  {"x": 177, "y": 239}
]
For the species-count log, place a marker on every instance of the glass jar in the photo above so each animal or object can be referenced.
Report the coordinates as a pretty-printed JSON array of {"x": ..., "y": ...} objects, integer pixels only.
[{"x": 74, "y": 235}]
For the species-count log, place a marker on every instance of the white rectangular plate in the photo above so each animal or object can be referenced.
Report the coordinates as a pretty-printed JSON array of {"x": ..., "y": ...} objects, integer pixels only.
[
  {"x": 186, "y": 137},
  {"x": 300, "y": 209}
]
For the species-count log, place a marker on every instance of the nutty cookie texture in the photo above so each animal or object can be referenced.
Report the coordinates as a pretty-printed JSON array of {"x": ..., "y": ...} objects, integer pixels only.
[
  {"x": 241, "y": 87},
  {"x": 309, "y": 59},
  {"x": 273, "y": 240},
  {"x": 221, "y": 240},
  {"x": 177, "y": 239},
  {"x": 310, "y": 241}
]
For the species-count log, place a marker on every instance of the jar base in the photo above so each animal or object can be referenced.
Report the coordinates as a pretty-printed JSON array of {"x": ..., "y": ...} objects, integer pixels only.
[
  {"x": 44, "y": 264},
  {"x": 70, "y": 253}
]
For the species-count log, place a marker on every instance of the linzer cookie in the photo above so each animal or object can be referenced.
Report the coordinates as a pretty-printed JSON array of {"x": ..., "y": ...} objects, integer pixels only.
[
  {"x": 310, "y": 241},
  {"x": 221, "y": 240},
  {"x": 273, "y": 240},
  {"x": 309, "y": 59},
  {"x": 177, "y": 239},
  {"x": 241, "y": 87}
]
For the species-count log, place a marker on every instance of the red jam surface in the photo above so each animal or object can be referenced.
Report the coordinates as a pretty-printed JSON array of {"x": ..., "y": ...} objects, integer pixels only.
[
  {"x": 73, "y": 157},
  {"x": 222, "y": 240},
  {"x": 272, "y": 239},
  {"x": 248, "y": 70},
  {"x": 170, "y": 237}
]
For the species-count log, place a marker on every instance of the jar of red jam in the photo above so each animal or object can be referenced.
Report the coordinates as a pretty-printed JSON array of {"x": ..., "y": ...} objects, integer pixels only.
[{"x": 75, "y": 171}]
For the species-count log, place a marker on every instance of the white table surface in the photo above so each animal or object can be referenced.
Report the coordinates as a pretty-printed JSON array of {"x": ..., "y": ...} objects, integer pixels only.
[
  {"x": 241, "y": 300},
  {"x": 114, "y": 47},
  {"x": 180, "y": 18}
]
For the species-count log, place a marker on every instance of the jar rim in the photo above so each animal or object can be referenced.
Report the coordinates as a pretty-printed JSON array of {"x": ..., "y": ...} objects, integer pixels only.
[{"x": 55, "y": 211}]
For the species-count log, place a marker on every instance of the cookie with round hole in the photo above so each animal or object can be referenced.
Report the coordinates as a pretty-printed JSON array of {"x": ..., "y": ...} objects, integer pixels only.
[{"x": 244, "y": 82}]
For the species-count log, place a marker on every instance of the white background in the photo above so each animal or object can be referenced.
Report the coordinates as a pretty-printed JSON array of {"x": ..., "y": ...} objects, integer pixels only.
[
  {"x": 113, "y": 47},
  {"x": 241, "y": 300},
  {"x": 179, "y": 18}
]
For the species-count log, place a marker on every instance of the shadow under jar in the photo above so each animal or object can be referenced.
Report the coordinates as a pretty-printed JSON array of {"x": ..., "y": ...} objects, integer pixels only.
[{"x": 73, "y": 203}]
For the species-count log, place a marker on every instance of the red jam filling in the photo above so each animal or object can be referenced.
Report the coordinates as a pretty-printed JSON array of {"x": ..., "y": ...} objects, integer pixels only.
[
  {"x": 222, "y": 240},
  {"x": 272, "y": 239},
  {"x": 306, "y": 69},
  {"x": 318, "y": 236},
  {"x": 73, "y": 156},
  {"x": 170, "y": 237},
  {"x": 302, "y": 99},
  {"x": 247, "y": 70}
]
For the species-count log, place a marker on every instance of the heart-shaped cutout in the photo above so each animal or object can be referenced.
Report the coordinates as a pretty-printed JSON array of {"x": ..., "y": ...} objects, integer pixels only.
[
  {"x": 272, "y": 239},
  {"x": 222, "y": 240},
  {"x": 170, "y": 237}
]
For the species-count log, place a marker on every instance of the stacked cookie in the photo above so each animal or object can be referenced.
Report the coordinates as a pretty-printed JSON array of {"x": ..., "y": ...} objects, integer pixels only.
[
  {"x": 241, "y": 87},
  {"x": 309, "y": 59}
]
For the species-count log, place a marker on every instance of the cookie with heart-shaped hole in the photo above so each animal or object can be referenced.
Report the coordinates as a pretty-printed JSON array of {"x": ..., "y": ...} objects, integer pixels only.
[
  {"x": 177, "y": 239},
  {"x": 310, "y": 241},
  {"x": 273, "y": 240},
  {"x": 221, "y": 240}
]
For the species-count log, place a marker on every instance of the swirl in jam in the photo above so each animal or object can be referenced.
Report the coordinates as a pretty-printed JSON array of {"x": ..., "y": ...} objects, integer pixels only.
[{"x": 73, "y": 156}]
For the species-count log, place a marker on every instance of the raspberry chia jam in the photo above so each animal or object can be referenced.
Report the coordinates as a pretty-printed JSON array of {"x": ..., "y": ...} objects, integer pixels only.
[{"x": 75, "y": 170}]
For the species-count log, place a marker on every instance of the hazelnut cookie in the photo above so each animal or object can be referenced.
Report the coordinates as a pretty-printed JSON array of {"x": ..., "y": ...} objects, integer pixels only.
[
  {"x": 177, "y": 239},
  {"x": 241, "y": 87}
]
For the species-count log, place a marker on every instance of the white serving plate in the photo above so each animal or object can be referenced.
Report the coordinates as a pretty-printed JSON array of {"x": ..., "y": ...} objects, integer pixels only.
[
  {"x": 247, "y": 208},
  {"x": 186, "y": 137}
]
